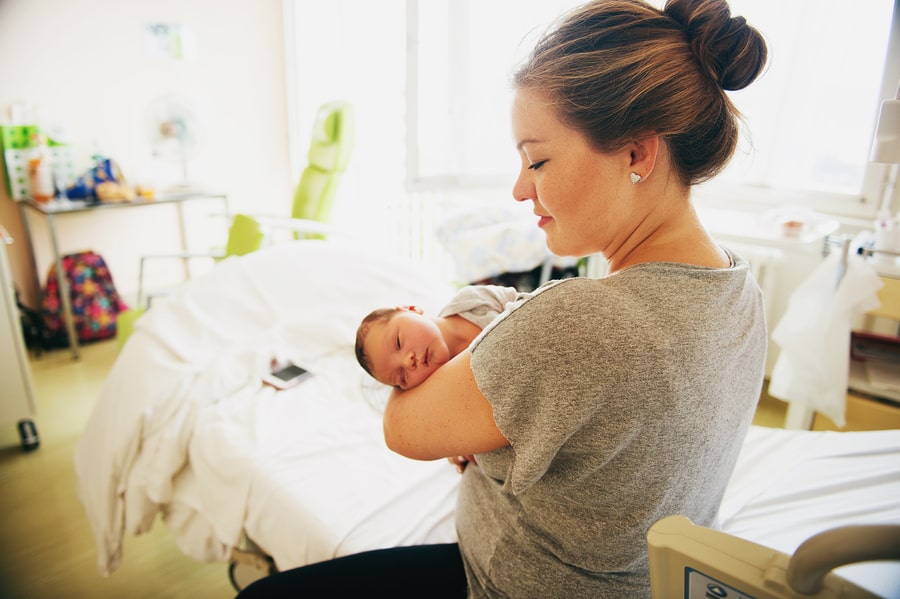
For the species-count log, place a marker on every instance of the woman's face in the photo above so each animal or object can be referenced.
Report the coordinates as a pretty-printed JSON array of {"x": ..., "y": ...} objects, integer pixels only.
[
  {"x": 406, "y": 349},
  {"x": 579, "y": 194}
]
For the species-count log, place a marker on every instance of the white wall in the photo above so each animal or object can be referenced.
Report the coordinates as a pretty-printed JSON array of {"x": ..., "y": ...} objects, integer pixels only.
[{"x": 84, "y": 63}]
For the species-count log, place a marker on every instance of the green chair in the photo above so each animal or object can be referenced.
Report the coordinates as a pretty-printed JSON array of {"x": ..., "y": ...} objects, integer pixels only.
[
  {"x": 328, "y": 156},
  {"x": 125, "y": 325},
  {"x": 329, "y": 153}
]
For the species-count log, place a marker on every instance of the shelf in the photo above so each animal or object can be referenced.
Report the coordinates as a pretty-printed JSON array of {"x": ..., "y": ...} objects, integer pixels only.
[{"x": 859, "y": 382}]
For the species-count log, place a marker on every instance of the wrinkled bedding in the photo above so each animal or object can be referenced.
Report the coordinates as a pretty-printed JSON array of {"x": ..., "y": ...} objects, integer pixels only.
[{"x": 184, "y": 428}]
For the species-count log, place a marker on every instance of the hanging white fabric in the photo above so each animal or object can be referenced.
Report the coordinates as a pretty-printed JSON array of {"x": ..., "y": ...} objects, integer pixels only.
[{"x": 814, "y": 334}]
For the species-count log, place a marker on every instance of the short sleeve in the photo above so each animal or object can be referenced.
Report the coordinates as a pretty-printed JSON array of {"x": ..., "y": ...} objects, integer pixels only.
[{"x": 532, "y": 369}]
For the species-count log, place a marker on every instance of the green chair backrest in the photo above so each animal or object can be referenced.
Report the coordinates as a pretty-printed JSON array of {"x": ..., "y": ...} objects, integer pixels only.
[
  {"x": 332, "y": 137},
  {"x": 329, "y": 153}
]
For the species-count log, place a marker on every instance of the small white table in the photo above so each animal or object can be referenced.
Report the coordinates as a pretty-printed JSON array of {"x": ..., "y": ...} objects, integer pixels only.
[{"x": 61, "y": 207}]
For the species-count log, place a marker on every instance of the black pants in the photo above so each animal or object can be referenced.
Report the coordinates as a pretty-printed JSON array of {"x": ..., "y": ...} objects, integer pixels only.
[{"x": 423, "y": 571}]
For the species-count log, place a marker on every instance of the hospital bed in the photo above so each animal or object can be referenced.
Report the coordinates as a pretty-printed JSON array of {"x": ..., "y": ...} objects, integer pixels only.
[{"x": 184, "y": 432}]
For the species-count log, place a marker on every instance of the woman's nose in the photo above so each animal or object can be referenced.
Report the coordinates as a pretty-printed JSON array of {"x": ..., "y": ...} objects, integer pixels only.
[{"x": 523, "y": 189}]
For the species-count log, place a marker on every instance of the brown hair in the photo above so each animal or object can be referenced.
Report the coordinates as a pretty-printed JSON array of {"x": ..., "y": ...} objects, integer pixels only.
[
  {"x": 619, "y": 68},
  {"x": 382, "y": 315}
]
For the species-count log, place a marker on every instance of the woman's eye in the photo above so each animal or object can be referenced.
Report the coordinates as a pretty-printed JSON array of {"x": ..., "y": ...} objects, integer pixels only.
[{"x": 537, "y": 165}]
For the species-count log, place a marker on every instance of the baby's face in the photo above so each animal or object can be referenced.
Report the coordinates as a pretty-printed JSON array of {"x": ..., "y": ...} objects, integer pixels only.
[{"x": 405, "y": 350}]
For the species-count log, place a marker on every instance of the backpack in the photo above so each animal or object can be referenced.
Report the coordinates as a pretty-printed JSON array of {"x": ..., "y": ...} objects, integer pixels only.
[
  {"x": 34, "y": 331},
  {"x": 95, "y": 302}
]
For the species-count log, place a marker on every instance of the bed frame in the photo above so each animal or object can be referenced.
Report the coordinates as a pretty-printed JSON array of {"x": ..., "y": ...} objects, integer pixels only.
[
  {"x": 259, "y": 479},
  {"x": 690, "y": 561}
]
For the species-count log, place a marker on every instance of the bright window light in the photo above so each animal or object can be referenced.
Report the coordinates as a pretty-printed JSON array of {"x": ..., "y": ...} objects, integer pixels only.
[
  {"x": 431, "y": 83},
  {"x": 811, "y": 116}
]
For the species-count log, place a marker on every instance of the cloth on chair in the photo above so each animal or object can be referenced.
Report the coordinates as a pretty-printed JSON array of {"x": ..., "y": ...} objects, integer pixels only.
[{"x": 814, "y": 335}]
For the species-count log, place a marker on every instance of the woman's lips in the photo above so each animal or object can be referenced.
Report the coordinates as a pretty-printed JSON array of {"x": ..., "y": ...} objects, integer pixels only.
[{"x": 543, "y": 220}]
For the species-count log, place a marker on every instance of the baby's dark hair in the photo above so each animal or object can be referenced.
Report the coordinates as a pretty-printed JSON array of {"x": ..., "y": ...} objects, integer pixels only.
[{"x": 382, "y": 315}]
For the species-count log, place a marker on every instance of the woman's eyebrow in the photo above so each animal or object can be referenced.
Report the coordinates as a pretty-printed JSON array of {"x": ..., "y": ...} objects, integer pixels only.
[{"x": 525, "y": 142}]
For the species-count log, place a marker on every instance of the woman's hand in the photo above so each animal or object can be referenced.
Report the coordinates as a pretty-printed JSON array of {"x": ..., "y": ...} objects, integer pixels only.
[{"x": 461, "y": 461}]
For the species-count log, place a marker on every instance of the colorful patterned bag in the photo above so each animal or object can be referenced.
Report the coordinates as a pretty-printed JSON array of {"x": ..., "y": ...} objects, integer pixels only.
[{"x": 95, "y": 302}]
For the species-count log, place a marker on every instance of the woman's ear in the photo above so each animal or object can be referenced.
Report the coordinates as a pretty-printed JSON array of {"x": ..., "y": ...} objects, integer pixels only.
[{"x": 644, "y": 152}]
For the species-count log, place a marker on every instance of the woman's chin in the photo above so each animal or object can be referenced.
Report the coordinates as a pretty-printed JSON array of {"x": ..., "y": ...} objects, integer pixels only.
[{"x": 559, "y": 248}]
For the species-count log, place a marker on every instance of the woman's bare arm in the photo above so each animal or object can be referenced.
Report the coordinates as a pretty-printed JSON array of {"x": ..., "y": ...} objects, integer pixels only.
[{"x": 446, "y": 415}]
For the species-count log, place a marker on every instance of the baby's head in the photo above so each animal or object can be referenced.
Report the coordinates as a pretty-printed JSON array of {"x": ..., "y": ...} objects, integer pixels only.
[
  {"x": 400, "y": 346},
  {"x": 375, "y": 317}
]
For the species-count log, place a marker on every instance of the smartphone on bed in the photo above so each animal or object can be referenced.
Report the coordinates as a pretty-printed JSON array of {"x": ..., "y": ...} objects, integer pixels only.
[{"x": 286, "y": 375}]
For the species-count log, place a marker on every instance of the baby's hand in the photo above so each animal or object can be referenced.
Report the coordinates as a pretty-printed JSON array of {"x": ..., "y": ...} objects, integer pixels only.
[{"x": 461, "y": 461}]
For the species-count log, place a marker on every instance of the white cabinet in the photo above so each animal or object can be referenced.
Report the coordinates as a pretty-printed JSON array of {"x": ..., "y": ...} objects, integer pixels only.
[{"x": 17, "y": 403}]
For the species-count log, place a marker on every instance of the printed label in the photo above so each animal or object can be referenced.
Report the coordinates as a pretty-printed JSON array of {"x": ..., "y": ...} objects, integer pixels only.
[{"x": 700, "y": 586}]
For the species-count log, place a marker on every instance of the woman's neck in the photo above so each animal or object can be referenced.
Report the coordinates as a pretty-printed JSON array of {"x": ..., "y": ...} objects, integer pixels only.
[{"x": 679, "y": 237}]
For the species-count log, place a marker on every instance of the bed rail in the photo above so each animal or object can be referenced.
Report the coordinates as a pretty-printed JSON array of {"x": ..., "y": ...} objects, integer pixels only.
[{"x": 820, "y": 554}]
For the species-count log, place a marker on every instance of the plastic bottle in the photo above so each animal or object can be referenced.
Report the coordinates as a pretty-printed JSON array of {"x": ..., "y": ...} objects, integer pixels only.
[
  {"x": 884, "y": 228},
  {"x": 40, "y": 169},
  {"x": 887, "y": 237}
]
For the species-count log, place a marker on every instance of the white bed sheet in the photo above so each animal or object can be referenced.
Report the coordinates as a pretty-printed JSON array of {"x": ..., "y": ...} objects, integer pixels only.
[
  {"x": 789, "y": 485},
  {"x": 183, "y": 428},
  {"x": 335, "y": 488},
  {"x": 183, "y": 420}
]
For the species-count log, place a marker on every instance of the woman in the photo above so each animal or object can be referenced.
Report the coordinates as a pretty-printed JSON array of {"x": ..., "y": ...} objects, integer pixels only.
[{"x": 595, "y": 407}]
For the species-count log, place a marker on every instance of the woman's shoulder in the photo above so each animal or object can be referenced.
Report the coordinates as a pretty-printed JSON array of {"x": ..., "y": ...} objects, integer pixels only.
[{"x": 648, "y": 286}]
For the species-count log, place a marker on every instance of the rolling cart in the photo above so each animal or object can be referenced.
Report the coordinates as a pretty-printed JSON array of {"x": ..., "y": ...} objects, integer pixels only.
[{"x": 17, "y": 397}]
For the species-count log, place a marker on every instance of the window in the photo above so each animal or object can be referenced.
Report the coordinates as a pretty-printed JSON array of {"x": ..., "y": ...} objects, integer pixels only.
[
  {"x": 430, "y": 79},
  {"x": 461, "y": 56},
  {"x": 811, "y": 116}
]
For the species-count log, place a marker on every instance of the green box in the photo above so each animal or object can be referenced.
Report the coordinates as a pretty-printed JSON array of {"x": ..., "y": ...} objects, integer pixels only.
[
  {"x": 15, "y": 141},
  {"x": 17, "y": 137}
]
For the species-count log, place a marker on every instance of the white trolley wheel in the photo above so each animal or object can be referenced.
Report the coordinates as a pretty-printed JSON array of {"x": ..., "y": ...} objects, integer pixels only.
[{"x": 28, "y": 435}]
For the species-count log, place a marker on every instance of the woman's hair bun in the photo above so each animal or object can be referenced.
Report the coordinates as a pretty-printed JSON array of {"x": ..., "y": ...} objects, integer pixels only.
[{"x": 731, "y": 51}]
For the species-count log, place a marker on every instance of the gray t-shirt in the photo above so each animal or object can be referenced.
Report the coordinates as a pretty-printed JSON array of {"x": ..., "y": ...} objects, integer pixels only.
[{"x": 625, "y": 400}]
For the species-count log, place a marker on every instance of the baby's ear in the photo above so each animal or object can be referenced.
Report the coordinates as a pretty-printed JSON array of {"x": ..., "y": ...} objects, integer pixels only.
[{"x": 415, "y": 309}]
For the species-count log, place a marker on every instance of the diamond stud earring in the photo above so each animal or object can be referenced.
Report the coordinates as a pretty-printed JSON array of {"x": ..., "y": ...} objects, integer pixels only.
[{"x": 635, "y": 178}]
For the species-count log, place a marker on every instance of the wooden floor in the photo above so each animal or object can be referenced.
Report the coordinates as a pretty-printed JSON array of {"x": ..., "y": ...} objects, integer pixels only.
[{"x": 47, "y": 548}]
